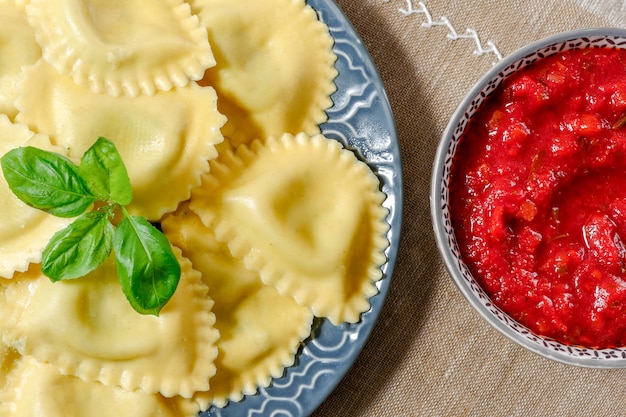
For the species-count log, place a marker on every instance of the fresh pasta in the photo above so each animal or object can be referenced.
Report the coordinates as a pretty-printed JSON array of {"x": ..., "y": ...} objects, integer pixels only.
[
  {"x": 305, "y": 214},
  {"x": 17, "y": 49},
  {"x": 24, "y": 231},
  {"x": 267, "y": 82},
  {"x": 165, "y": 139},
  {"x": 122, "y": 46},
  {"x": 35, "y": 386},
  {"x": 260, "y": 330},
  {"x": 215, "y": 109},
  {"x": 97, "y": 336}
]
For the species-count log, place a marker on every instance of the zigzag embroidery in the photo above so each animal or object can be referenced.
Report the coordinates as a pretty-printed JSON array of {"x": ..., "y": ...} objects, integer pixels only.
[{"x": 471, "y": 34}]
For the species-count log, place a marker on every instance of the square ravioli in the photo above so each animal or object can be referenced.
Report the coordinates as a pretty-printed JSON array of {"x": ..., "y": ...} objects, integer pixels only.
[{"x": 97, "y": 336}]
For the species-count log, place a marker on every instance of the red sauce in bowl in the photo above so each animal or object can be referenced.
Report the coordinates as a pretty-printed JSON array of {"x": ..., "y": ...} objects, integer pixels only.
[{"x": 538, "y": 197}]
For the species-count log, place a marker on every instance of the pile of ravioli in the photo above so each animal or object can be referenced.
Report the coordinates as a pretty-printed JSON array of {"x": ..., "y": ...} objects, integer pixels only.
[{"x": 214, "y": 106}]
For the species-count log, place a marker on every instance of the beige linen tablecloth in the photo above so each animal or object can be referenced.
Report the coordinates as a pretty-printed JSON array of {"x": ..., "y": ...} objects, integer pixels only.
[{"x": 430, "y": 354}]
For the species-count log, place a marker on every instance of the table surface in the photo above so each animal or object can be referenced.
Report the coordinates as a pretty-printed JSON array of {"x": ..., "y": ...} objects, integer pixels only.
[{"x": 430, "y": 354}]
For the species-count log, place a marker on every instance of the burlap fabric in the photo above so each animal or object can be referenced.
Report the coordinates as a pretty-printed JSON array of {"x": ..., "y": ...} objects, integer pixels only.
[{"x": 430, "y": 354}]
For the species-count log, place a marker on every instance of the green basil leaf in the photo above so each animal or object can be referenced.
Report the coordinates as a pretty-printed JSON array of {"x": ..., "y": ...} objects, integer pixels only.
[
  {"x": 105, "y": 173},
  {"x": 80, "y": 248},
  {"x": 146, "y": 265},
  {"x": 47, "y": 181}
]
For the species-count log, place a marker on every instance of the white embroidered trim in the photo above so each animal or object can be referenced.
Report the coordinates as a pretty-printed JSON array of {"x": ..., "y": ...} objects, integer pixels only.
[{"x": 489, "y": 47}]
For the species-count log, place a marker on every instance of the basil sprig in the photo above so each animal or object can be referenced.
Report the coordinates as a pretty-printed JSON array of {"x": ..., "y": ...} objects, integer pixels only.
[{"x": 147, "y": 268}]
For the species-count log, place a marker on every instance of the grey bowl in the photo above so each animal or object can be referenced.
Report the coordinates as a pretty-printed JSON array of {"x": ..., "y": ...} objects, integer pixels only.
[{"x": 444, "y": 233}]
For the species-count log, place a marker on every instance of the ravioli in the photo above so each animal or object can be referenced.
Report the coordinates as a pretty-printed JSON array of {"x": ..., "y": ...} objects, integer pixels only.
[
  {"x": 165, "y": 140},
  {"x": 8, "y": 360},
  {"x": 17, "y": 49},
  {"x": 24, "y": 231},
  {"x": 275, "y": 66},
  {"x": 273, "y": 230},
  {"x": 40, "y": 390},
  {"x": 260, "y": 330},
  {"x": 87, "y": 328},
  {"x": 305, "y": 214},
  {"x": 122, "y": 46}
]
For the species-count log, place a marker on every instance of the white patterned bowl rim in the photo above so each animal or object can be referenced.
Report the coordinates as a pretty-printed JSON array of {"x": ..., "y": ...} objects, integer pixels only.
[{"x": 439, "y": 193}]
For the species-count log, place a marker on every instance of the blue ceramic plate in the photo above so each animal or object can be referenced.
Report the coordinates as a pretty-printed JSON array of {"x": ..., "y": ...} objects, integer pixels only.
[{"x": 361, "y": 119}]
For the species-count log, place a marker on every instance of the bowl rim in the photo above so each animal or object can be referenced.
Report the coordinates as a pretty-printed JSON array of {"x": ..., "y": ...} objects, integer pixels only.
[{"x": 550, "y": 349}]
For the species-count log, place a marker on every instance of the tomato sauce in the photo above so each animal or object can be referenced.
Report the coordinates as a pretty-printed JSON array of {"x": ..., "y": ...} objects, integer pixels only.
[{"x": 538, "y": 197}]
